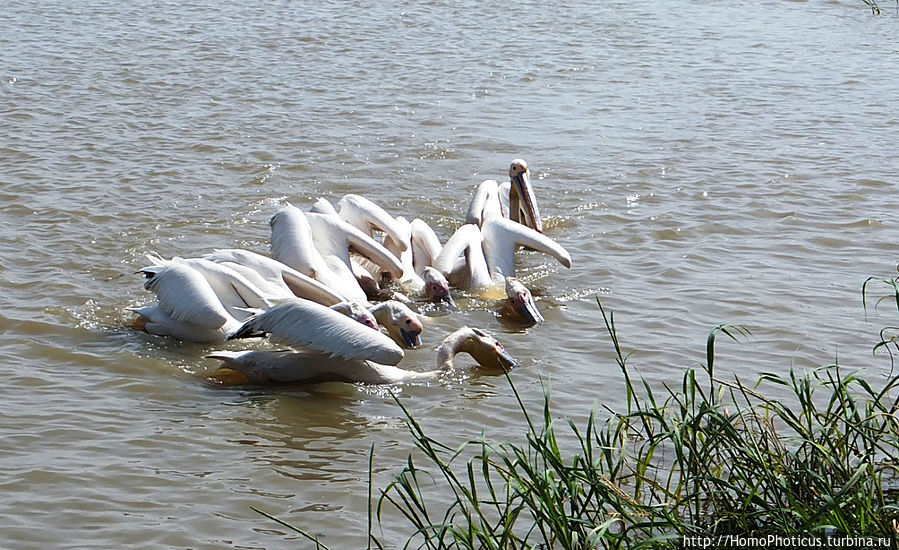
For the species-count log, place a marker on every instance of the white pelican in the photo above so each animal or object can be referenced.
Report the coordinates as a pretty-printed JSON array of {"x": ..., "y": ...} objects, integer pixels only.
[
  {"x": 264, "y": 367},
  {"x": 417, "y": 260},
  {"x": 425, "y": 245},
  {"x": 274, "y": 277},
  {"x": 521, "y": 302},
  {"x": 235, "y": 291},
  {"x": 402, "y": 323},
  {"x": 482, "y": 258},
  {"x": 305, "y": 325},
  {"x": 187, "y": 307},
  {"x": 514, "y": 200},
  {"x": 368, "y": 217},
  {"x": 318, "y": 245}
]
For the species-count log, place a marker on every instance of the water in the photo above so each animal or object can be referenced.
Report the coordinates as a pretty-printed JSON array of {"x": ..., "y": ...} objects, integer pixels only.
[{"x": 702, "y": 163}]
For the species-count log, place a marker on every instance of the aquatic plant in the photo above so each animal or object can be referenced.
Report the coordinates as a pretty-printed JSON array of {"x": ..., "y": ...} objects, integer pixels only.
[
  {"x": 889, "y": 336},
  {"x": 875, "y": 9},
  {"x": 711, "y": 458},
  {"x": 704, "y": 463}
]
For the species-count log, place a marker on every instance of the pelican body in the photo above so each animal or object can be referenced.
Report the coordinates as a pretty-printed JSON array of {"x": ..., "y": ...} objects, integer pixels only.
[
  {"x": 318, "y": 245},
  {"x": 291, "y": 367},
  {"x": 483, "y": 257}
]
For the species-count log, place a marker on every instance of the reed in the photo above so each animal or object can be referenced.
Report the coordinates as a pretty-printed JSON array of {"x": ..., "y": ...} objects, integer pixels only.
[
  {"x": 875, "y": 9},
  {"x": 708, "y": 458}
]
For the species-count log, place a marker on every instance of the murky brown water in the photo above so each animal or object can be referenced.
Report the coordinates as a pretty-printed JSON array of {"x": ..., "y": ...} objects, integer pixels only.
[{"x": 733, "y": 162}]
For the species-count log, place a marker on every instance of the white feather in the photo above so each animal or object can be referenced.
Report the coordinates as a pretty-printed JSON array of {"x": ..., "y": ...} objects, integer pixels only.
[
  {"x": 501, "y": 239},
  {"x": 287, "y": 280},
  {"x": 367, "y": 216},
  {"x": 305, "y": 325},
  {"x": 185, "y": 295}
]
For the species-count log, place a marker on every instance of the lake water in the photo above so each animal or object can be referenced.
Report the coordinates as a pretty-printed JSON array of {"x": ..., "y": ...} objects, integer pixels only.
[{"x": 702, "y": 162}]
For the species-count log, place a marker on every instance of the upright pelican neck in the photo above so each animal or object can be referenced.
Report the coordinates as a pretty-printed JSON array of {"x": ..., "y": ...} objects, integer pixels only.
[{"x": 456, "y": 342}]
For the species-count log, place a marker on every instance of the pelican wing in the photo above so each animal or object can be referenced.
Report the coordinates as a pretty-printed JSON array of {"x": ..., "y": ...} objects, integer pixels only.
[
  {"x": 504, "y": 190},
  {"x": 425, "y": 245},
  {"x": 185, "y": 295},
  {"x": 266, "y": 267},
  {"x": 472, "y": 269},
  {"x": 502, "y": 237},
  {"x": 292, "y": 242},
  {"x": 230, "y": 286},
  {"x": 484, "y": 204},
  {"x": 335, "y": 237},
  {"x": 273, "y": 289},
  {"x": 322, "y": 206},
  {"x": 365, "y": 215},
  {"x": 280, "y": 274},
  {"x": 467, "y": 236},
  {"x": 310, "y": 289},
  {"x": 306, "y": 325}
]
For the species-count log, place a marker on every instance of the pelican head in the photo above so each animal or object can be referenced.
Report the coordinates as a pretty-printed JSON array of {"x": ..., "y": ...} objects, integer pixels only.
[
  {"x": 437, "y": 287},
  {"x": 522, "y": 200},
  {"x": 402, "y": 323},
  {"x": 522, "y": 301},
  {"x": 357, "y": 312},
  {"x": 485, "y": 349}
]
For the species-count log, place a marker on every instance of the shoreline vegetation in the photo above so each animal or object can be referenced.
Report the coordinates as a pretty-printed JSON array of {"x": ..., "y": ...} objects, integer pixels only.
[
  {"x": 708, "y": 460},
  {"x": 875, "y": 9}
]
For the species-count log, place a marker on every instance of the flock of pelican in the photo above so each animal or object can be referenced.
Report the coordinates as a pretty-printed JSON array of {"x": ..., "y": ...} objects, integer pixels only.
[{"x": 322, "y": 293}]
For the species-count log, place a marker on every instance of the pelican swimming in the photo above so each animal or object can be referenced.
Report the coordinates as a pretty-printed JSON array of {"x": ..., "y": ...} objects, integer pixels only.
[
  {"x": 235, "y": 291},
  {"x": 201, "y": 301},
  {"x": 402, "y": 323},
  {"x": 521, "y": 303},
  {"x": 318, "y": 245},
  {"x": 417, "y": 259},
  {"x": 305, "y": 325},
  {"x": 187, "y": 307},
  {"x": 514, "y": 200},
  {"x": 483, "y": 257},
  {"x": 291, "y": 367}
]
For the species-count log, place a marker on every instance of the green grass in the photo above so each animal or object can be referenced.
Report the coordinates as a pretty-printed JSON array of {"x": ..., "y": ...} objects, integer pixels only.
[
  {"x": 709, "y": 457},
  {"x": 875, "y": 9}
]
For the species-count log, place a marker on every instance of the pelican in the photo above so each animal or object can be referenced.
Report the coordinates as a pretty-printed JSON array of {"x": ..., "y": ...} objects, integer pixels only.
[
  {"x": 514, "y": 200},
  {"x": 402, "y": 323},
  {"x": 417, "y": 259},
  {"x": 190, "y": 308},
  {"x": 368, "y": 217},
  {"x": 318, "y": 245},
  {"x": 264, "y": 367},
  {"x": 305, "y": 325},
  {"x": 425, "y": 245},
  {"x": 274, "y": 277},
  {"x": 483, "y": 258},
  {"x": 187, "y": 307},
  {"x": 521, "y": 302},
  {"x": 235, "y": 291}
]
